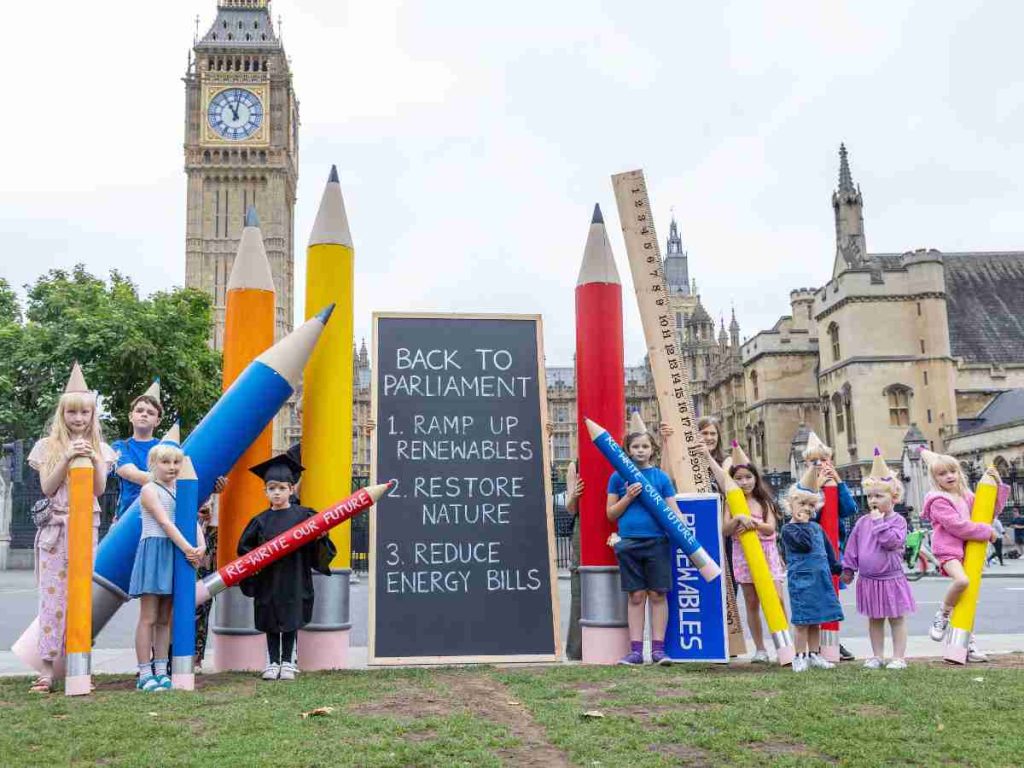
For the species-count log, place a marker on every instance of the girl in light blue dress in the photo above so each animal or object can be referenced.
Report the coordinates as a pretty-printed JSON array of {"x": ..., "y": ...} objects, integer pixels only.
[{"x": 153, "y": 573}]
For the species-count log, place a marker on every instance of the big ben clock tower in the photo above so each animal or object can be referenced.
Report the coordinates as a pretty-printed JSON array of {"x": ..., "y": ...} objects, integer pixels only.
[{"x": 241, "y": 149}]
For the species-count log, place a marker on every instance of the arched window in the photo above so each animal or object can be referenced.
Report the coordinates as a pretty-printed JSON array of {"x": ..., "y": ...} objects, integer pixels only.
[
  {"x": 1002, "y": 466},
  {"x": 753, "y": 385},
  {"x": 851, "y": 435},
  {"x": 898, "y": 398},
  {"x": 837, "y": 406},
  {"x": 826, "y": 418},
  {"x": 833, "y": 337}
]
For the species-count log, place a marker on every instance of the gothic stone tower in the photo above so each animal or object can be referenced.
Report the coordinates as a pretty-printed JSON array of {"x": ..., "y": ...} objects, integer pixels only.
[{"x": 241, "y": 149}]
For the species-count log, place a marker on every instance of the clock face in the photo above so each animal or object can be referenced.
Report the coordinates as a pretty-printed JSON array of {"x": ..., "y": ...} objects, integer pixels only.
[{"x": 235, "y": 113}]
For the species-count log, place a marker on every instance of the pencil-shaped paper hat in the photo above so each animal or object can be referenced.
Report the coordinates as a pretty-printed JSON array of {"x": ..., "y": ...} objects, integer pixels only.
[
  {"x": 879, "y": 468},
  {"x": 636, "y": 424},
  {"x": 173, "y": 436},
  {"x": 738, "y": 456},
  {"x": 809, "y": 481},
  {"x": 882, "y": 477},
  {"x": 816, "y": 450},
  {"x": 154, "y": 390},
  {"x": 930, "y": 457},
  {"x": 76, "y": 381}
]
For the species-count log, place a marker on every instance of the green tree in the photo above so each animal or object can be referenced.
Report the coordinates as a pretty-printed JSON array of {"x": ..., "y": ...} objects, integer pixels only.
[{"x": 122, "y": 342}]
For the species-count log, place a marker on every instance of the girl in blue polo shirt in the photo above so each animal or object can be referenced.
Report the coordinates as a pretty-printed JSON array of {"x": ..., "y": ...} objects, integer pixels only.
[{"x": 643, "y": 550}]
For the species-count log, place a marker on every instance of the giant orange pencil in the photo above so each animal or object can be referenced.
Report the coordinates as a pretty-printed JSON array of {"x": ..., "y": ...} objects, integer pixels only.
[
  {"x": 327, "y": 423},
  {"x": 78, "y": 638},
  {"x": 600, "y": 395},
  {"x": 248, "y": 331},
  {"x": 961, "y": 622}
]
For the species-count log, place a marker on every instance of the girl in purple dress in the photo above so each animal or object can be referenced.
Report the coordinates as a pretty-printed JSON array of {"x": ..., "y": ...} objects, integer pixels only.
[{"x": 874, "y": 550}]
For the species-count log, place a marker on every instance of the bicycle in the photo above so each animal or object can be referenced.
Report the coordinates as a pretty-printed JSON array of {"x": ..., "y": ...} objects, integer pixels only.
[{"x": 918, "y": 559}]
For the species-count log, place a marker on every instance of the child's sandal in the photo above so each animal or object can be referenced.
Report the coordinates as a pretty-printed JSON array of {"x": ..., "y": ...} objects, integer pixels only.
[{"x": 43, "y": 684}]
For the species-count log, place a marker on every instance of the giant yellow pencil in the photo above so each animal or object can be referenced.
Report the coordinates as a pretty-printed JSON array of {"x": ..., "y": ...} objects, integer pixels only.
[
  {"x": 961, "y": 622},
  {"x": 764, "y": 585},
  {"x": 327, "y": 422},
  {"x": 78, "y": 635},
  {"x": 248, "y": 332}
]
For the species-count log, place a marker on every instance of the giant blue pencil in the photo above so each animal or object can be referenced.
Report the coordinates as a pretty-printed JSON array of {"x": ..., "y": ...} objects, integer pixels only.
[
  {"x": 183, "y": 617},
  {"x": 668, "y": 520},
  {"x": 214, "y": 446}
]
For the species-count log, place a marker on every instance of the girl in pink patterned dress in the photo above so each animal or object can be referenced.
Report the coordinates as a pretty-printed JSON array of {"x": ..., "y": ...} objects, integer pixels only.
[
  {"x": 74, "y": 431},
  {"x": 764, "y": 516}
]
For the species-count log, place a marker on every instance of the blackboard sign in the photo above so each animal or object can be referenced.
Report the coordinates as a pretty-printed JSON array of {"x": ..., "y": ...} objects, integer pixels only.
[{"x": 462, "y": 550}]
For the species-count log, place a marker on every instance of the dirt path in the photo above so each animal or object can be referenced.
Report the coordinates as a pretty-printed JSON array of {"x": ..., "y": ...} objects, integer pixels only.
[{"x": 484, "y": 696}]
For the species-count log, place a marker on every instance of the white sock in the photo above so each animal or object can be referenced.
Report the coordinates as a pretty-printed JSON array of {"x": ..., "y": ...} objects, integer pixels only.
[
  {"x": 145, "y": 669},
  {"x": 160, "y": 666}
]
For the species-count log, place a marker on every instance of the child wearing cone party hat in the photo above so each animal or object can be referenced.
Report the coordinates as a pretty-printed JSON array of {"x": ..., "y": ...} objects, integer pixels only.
[
  {"x": 764, "y": 520},
  {"x": 874, "y": 552},
  {"x": 74, "y": 432},
  {"x": 948, "y": 508}
]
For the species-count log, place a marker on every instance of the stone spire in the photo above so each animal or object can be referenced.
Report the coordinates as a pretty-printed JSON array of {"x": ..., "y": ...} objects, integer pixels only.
[
  {"x": 734, "y": 331},
  {"x": 677, "y": 272},
  {"x": 364, "y": 356},
  {"x": 723, "y": 337},
  {"x": 845, "y": 177},
  {"x": 848, "y": 208}
]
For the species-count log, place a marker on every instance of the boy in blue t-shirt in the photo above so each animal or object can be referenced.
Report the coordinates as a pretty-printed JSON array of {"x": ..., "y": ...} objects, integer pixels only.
[
  {"x": 643, "y": 551},
  {"x": 133, "y": 453}
]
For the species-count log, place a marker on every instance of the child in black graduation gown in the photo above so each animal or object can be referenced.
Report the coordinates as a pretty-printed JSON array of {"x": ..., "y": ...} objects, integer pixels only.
[{"x": 283, "y": 591}]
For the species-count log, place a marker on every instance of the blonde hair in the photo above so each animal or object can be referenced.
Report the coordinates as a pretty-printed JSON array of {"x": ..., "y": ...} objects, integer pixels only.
[
  {"x": 890, "y": 485},
  {"x": 60, "y": 437},
  {"x": 943, "y": 462},
  {"x": 797, "y": 491},
  {"x": 162, "y": 451}
]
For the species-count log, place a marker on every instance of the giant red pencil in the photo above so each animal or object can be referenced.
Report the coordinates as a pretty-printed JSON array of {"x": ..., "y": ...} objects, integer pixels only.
[
  {"x": 600, "y": 395},
  {"x": 830, "y": 523},
  {"x": 290, "y": 541}
]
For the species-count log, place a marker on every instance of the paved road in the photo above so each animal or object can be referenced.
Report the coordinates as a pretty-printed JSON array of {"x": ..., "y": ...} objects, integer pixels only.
[{"x": 1000, "y": 610}]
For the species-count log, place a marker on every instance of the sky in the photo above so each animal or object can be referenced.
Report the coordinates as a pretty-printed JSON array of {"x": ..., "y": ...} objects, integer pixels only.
[{"x": 473, "y": 139}]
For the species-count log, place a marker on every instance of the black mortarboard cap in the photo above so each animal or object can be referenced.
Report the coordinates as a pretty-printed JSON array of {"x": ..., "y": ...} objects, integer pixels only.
[{"x": 280, "y": 469}]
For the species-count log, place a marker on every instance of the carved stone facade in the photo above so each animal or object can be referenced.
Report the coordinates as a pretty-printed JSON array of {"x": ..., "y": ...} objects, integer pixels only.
[{"x": 241, "y": 149}]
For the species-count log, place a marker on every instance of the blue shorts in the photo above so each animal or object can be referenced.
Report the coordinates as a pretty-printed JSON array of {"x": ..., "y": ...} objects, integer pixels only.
[{"x": 644, "y": 564}]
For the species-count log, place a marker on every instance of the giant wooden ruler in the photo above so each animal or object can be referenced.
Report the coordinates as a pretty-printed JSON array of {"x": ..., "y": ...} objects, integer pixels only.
[{"x": 688, "y": 466}]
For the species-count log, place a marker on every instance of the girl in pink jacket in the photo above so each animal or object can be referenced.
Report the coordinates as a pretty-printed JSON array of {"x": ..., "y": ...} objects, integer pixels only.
[{"x": 948, "y": 508}]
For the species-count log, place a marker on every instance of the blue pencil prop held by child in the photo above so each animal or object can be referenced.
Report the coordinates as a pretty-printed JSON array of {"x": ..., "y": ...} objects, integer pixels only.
[
  {"x": 810, "y": 564},
  {"x": 152, "y": 578}
]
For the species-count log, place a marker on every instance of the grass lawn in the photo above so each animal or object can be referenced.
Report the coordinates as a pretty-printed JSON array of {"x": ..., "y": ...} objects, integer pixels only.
[{"x": 928, "y": 715}]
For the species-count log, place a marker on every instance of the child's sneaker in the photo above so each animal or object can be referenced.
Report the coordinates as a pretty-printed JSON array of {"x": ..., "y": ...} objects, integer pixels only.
[
  {"x": 816, "y": 661},
  {"x": 800, "y": 663},
  {"x": 759, "y": 657},
  {"x": 164, "y": 681},
  {"x": 975, "y": 656},
  {"x": 287, "y": 671},
  {"x": 272, "y": 671},
  {"x": 873, "y": 663},
  {"x": 938, "y": 628},
  {"x": 660, "y": 658},
  {"x": 632, "y": 659},
  {"x": 147, "y": 683},
  {"x": 897, "y": 664}
]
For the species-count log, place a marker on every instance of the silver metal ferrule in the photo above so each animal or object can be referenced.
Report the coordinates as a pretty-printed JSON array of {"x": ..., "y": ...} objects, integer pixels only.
[
  {"x": 233, "y": 614},
  {"x": 602, "y": 601},
  {"x": 107, "y": 598},
  {"x": 958, "y": 638},
  {"x": 700, "y": 558},
  {"x": 214, "y": 584},
  {"x": 331, "y": 602},
  {"x": 181, "y": 665},
  {"x": 78, "y": 664},
  {"x": 829, "y": 637},
  {"x": 782, "y": 639}
]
